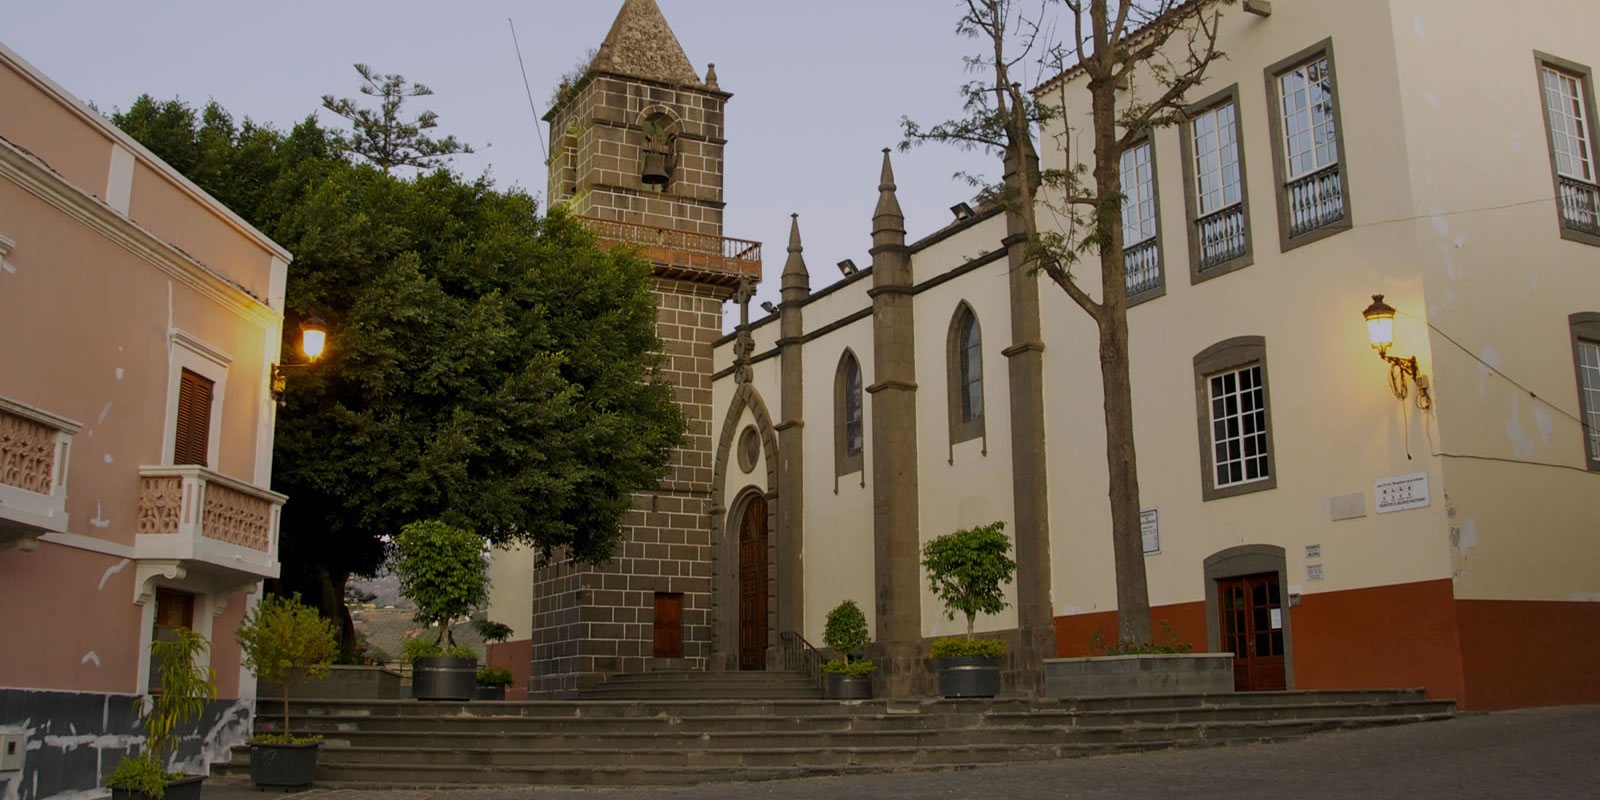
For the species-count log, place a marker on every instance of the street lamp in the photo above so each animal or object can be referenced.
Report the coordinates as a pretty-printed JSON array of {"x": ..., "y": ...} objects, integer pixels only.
[
  {"x": 1380, "y": 331},
  {"x": 313, "y": 340}
]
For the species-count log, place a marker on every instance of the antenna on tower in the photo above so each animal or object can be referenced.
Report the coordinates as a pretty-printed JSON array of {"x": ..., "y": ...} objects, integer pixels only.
[{"x": 528, "y": 89}]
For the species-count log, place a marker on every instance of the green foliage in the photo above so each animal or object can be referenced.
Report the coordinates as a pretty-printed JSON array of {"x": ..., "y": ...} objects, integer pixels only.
[
  {"x": 141, "y": 774},
  {"x": 1172, "y": 646},
  {"x": 486, "y": 366},
  {"x": 492, "y": 631},
  {"x": 422, "y": 648},
  {"x": 284, "y": 738},
  {"x": 442, "y": 569},
  {"x": 381, "y": 136},
  {"x": 966, "y": 570},
  {"x": 461, "y": 651},
  {"x": 846, "y": 629},
  {"x": 287, "y": 643},
  {"x": 185, "y": 688},
  {"x": 859, "y": 668},
  {"x": 953, "y": 647},
  {"x": 495, "y": 676}
]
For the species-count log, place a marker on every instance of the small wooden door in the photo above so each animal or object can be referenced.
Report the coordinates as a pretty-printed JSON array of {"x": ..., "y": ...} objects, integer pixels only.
[
  {"x": 1252, "y": 629},
  {"x": 174, "y": 609},
  {"x": 669, "y": 625},
  {"x": 753, "y": 585}
]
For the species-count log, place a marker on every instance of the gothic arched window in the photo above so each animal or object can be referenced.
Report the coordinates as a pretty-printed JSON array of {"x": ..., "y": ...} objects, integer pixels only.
[
  {"x": 965, "y": 370},
  {"x": 849, "y": 438}
]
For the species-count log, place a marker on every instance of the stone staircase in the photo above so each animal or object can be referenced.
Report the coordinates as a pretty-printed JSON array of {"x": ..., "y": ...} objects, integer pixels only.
[
  {"x": 696, "y": 685},
  {"x": 402, "y": 743}
]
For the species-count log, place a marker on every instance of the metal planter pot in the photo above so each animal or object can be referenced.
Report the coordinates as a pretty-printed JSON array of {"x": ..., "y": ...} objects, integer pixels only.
[
  {"x": 186, "y": 789},
  {"x": 488, "y": 692},
  {"x": 288, "y": 766},
  {"x": 443, "y": 678},
  {"x": 969, "y": 676},
  {"x": 845, "y": 687}
]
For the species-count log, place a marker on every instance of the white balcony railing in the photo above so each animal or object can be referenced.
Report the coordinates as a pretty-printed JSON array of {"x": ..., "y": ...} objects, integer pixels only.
[
  {"x": 208, "y": 523},
  {"x": 34, "y": 445}
]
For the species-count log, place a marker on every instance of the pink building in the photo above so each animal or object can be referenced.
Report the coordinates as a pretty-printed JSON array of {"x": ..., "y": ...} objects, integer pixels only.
[{"x": 140, "y": 320}]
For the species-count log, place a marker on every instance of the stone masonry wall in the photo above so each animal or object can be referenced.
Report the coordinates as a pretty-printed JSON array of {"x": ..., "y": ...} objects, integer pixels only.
[{"x": 590, "y": 621}]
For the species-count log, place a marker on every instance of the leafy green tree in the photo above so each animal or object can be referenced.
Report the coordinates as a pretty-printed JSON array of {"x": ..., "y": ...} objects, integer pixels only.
[
  {"x": 487, "y": 366},
  {"x": 381, "y": 136},
  {"x": 442, "y": 569},
  {"x": 846, "y": 629},
  {"x": 287, "y": 643},
  {"x": 966, "y": 571},
  {"x": 1168, "y": 44}
]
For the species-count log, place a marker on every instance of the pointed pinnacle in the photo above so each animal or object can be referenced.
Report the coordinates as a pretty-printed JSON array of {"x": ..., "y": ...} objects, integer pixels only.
[
  {"x": 888, "y": 202},
  {"x": 795, "y": 274}
]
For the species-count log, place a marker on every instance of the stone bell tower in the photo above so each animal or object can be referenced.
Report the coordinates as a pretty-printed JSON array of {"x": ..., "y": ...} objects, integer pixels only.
[{"x": 636, "y": 152}]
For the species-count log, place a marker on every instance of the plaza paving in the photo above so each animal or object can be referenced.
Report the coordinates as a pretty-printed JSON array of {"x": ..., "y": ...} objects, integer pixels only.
[{"x": 1536, "y": 753}]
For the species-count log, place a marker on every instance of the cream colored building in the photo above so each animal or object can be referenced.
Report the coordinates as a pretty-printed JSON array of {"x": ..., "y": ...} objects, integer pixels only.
[
  {"x": 139, "y": 324},
  {"x": 1440, "y": 157}
]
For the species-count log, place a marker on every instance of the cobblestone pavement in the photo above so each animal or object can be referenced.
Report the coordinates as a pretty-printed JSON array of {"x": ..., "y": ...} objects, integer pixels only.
[{"x": 1537, "y": 753}]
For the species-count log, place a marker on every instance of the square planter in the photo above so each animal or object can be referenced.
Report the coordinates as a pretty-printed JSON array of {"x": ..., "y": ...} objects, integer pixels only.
[
  {"x": 187, "y": 788},
  {"x": 969, "y": 676},
  {"x": 1108, "y": 676},
  {"x": 444, "y": 678},
  {"x": 285, "y": 766},
  {"x": 845, "y": 687}
]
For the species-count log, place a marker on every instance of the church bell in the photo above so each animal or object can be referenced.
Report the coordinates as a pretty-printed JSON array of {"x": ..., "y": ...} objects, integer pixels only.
[{"x": 655, "y": 169}]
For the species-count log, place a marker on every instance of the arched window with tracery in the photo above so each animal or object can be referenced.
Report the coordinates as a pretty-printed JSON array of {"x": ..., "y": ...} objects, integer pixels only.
[
  {"x": 849, "y": 438},
  {"x": 964, "y": 367}
]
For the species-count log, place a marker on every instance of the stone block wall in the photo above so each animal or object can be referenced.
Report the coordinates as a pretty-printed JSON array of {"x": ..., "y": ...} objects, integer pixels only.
[
  {"x": 599, "y": 144},
  {"x": 593, "y": 620}
]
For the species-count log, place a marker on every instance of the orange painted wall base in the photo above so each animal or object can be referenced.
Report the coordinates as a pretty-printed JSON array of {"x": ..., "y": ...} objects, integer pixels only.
[
  {"x": 1484, "y": 654},
  {"x": 518, "y": 657}
]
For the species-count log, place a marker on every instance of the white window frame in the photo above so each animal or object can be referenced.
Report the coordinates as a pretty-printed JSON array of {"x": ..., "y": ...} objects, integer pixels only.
[
  {"x": 1568, "y": 116},
  {"x": 188, "y": 352},
  {"x": 1137, "y": 168},
  {"x": 1256, "y": 416},
  {"x": 1214, "y": 161},
  {"x": 1305, "y": 110}
]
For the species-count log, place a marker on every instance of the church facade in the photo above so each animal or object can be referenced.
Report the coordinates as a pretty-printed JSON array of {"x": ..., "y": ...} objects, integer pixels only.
[{"x": 1334, "y": 521}]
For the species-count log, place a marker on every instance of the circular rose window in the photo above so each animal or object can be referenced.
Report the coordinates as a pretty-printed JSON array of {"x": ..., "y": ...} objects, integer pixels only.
[{"x": 749, "y": 448}]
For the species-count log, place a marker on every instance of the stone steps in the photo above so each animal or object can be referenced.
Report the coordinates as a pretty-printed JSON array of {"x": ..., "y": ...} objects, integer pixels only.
[
  {"x": 672, "y": 742},
  {"x": 692, "y": 685}
]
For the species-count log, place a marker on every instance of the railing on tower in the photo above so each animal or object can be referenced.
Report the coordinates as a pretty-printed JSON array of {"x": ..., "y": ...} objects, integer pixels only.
[
  {"x": 797, "y": 655},
  {"x": 676, "y": 253}
]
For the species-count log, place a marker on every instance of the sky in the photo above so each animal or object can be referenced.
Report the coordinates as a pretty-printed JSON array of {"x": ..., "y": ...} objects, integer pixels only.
[{"x": 819, "y": 88}]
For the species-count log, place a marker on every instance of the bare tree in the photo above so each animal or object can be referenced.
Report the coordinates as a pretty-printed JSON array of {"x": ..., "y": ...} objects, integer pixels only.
[{"x": 1167, "y": 42}]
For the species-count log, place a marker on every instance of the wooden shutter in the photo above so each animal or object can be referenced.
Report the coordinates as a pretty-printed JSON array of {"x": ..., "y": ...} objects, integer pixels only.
[{"x": 194, "y": 420}]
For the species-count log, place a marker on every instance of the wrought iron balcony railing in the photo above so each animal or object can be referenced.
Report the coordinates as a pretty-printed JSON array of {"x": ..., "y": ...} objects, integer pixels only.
[
  {"x": 1580, "y": 205},
  {"x": 696, "y": 256},
  {"x": 1315, "y": 200},
  {"x": 1142, "y": 262},
  {"x": 1222, "y": 236}
]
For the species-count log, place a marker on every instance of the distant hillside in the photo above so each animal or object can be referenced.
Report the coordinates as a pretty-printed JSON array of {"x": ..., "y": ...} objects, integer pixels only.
[{"x": 385, "y": 588}]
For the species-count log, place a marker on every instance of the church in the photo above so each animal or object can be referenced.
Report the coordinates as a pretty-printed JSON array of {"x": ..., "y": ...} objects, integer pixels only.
[{"x": 1424, "y": 518}]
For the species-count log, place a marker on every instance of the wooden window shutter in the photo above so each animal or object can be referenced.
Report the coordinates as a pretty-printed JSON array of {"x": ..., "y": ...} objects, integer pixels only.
[{"x": 194, "y": 420}]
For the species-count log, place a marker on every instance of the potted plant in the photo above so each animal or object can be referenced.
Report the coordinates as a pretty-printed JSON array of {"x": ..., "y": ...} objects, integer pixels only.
[
  {"x": 966, "y": 570},
  {"x": 287, "y": 643},
  {"x": 849, "y": 676},
  {"x": 185, "y": 688},
  {"x": 492, "y": 681},
  {"x": 442, "y": 569}
]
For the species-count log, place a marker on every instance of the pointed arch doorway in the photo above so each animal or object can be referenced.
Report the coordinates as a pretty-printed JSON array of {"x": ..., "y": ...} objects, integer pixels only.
[{"x": 753, "y": 584}]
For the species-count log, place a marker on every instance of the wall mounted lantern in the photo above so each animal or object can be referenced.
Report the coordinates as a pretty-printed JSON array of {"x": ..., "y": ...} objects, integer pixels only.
[
  {"x": 313, "y": 339},
  {"x": 1380, "y": 330}
]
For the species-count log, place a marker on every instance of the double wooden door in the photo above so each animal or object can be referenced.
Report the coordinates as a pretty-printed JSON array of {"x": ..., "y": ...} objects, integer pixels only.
[
  {"x": 1252, "y": 628},
  {"x": 753, "y": 585}
]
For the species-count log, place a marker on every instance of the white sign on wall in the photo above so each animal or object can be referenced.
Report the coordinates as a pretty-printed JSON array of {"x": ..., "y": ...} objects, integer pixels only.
[
  {"x": 1402, "y": 492},
  {"x": 1150, "y": 529}
]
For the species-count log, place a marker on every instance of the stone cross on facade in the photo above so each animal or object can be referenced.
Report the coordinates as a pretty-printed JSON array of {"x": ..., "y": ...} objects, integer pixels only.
[{"x": 745, "y": 345}]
